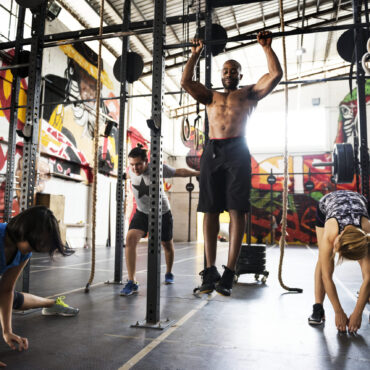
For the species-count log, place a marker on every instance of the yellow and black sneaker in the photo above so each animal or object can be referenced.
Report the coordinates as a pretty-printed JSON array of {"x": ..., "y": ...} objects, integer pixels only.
[
  {"x": 210, "y": 276},
  {"x": 225, "y": 285}
]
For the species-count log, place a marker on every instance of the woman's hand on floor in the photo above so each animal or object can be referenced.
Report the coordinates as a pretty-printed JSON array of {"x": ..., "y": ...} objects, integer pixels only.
[{"x": 12, "y": 340}]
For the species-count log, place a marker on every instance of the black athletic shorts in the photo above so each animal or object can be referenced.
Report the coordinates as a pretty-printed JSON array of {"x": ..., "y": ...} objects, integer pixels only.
[
  {"x": 225, "y": 176},
  {"x": 140, "y": 222},
  {"x": 18, "y": 300},
  {"x": 320, "y": 217}
]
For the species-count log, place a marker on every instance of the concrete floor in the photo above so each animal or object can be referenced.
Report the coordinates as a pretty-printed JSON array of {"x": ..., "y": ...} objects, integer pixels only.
[{"x": 260, "y": 327}]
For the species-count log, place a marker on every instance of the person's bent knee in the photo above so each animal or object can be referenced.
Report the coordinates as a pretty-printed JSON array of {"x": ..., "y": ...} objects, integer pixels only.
[
  {"x": 18, "y": 300},
  {"x": 167, "y": 244},
  {"x": 132, "y": 240}
]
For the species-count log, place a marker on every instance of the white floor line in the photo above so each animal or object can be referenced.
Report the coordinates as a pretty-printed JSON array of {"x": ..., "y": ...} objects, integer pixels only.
[
  {"x": 86, "y": 263},
  {"x": 124, "y": 276},
  {"x": 72, "y": 265},
  {"x": 365, "y": 312},
  {"x": 75, "y": 290},
  {"x": 140, "y": 355},
  {"x": 86, "y": 269}
]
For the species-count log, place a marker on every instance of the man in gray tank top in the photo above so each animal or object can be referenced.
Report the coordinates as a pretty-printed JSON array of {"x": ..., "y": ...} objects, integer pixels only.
[{"x": 139, "y": 174}]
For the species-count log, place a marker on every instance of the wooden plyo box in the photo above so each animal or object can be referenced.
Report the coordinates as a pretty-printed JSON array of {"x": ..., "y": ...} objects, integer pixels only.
[{"x": 56, "y": 204}]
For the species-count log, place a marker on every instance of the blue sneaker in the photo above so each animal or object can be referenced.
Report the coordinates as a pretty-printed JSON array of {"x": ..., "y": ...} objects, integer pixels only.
[
  {"x": 130, "y": 288},
  {"x": 169, "y": 278}
]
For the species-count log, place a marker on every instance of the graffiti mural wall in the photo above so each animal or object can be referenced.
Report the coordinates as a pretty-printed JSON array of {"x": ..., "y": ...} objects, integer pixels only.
[{"x": 66, "y": 124}]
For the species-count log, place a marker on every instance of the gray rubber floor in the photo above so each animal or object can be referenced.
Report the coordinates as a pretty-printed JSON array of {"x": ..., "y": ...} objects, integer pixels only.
[{"x": 260, "y": 327}]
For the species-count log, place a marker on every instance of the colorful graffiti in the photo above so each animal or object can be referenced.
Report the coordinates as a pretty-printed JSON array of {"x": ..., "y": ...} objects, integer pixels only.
[
  {"x": 6, "y": 79},
  {"x": 75, "y": 120},
  {"x": 67, "y": 124},
  {"x": 347, "y": 121}
]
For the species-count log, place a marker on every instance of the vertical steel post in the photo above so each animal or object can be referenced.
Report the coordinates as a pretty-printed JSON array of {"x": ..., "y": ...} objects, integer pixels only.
[
  {"x": 208, "y": 73},
  {"x": 120, "y": 193},
  {"x": 208, "y": 60},
  {"x": 272, "y": 241},
  {"x": 12, "y": 137},
  {"x": 31, "y": 127},
  {"x": 189, "y": 215},
  {"x": 361, "y": 99},
  {"x": 156, "y": 166}
]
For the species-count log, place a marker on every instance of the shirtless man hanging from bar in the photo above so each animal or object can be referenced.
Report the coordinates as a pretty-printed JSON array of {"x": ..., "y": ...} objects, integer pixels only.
[{"x": 225, "y": 173}]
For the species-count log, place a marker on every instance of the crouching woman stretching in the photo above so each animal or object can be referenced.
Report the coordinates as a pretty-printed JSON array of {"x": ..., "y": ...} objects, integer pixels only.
[
  {"x": 343, "y": 227},
  {"x": 35, "y": 229}
]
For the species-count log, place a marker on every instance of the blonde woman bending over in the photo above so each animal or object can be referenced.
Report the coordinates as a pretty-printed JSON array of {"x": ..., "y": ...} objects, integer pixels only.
[{"x": 343, "y": 227}]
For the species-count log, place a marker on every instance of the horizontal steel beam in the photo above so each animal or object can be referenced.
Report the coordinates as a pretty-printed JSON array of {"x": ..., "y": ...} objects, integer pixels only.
[
  {"x": 14, "y": 66},
  {"x": 291, "y": 173},
  {"x": 79, "y": 101},
  {"x": 72, "y": 35},
  {"x": 248, "y": 36},
  {"x": 222, "y": 3}
]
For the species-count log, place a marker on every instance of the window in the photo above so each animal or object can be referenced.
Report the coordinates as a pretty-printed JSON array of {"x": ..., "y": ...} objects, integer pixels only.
[{"x": 307, "y": 131}]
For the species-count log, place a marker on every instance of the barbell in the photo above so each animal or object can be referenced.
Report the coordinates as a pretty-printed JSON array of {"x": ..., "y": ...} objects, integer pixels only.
[{"x": 343, "y": 163}]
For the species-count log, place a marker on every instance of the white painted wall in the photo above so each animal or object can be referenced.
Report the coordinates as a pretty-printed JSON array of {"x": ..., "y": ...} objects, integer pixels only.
[{"x": 179, "y": 199}]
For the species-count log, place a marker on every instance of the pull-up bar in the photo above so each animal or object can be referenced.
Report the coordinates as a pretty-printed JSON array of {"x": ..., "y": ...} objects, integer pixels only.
[{"x": 298, "y": 31}]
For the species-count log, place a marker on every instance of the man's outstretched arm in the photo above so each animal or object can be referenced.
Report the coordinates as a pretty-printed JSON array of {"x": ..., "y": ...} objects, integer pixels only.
[
  {"x": 268, "y": 81},
  {"x": 185, "y": 172},
  {"x": 198, "y": 91}
]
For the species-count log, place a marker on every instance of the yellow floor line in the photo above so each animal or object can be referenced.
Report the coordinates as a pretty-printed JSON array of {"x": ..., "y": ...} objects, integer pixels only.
[
  {"x": 175, "y": 341},
  {"x": 140, "y": 355}
]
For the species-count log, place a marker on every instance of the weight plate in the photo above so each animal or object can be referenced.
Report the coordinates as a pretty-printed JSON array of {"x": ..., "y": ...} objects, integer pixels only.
[
  {"x": 251, "y": 254},
  {"x": 343, "y": 163},
  {"x": 248, "y": 270},
  {"x": 135, "y": 65},
  {"x": 254, "y": 247},
  {"x": 218, "y": 33},
  {"x": 252, "y": 261}
]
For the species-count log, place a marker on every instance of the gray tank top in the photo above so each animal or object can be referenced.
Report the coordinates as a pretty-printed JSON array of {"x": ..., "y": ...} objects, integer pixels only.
[
  {"x": 140, "y": 188},
  {"x": 347, "y": 207}
]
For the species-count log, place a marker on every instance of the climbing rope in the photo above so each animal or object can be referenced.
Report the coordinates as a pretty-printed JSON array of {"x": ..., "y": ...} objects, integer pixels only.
[
  {"x": 282, "y": 241},
  {"x": 96, "y": 149}
]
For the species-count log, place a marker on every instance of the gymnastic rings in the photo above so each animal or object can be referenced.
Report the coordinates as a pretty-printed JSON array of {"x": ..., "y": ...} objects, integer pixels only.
[
  {"x": 185, "y": 129},
  {"x": 197, "y": 122}
]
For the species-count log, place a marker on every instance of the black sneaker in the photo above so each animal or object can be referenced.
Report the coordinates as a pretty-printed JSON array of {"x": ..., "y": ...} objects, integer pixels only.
[
  {"x": 210, "y": 276},
  {"x": 318, "y": 315},
  {"x": 224, "y": 286}
]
